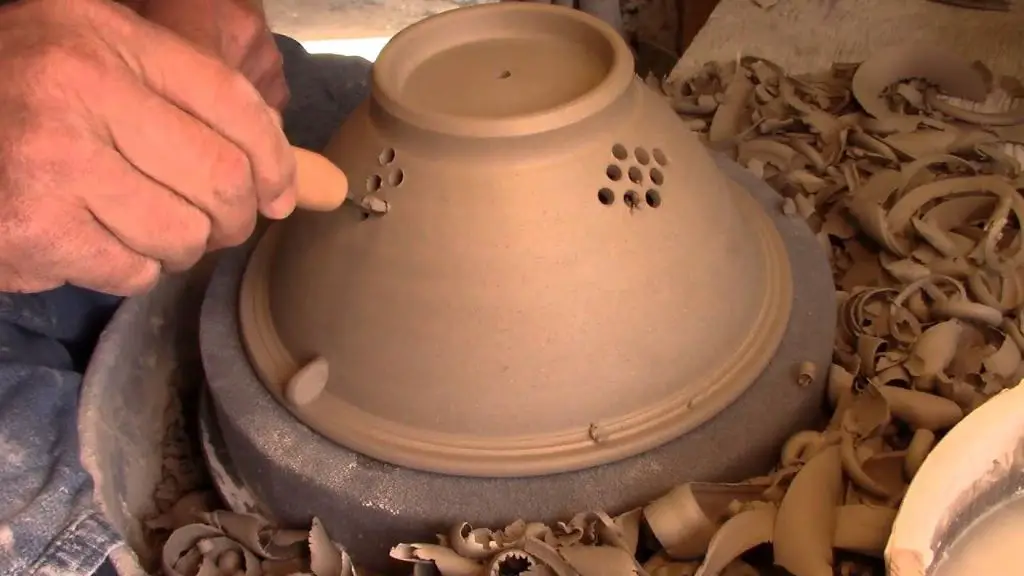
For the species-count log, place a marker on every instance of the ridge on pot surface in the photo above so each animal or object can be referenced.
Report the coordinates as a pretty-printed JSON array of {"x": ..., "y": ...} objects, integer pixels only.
[{"x": 556, "y": 280}]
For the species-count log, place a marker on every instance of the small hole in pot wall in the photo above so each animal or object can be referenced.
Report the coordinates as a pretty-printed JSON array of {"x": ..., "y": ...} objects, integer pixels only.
[
  {"x": 373, "y": 183},
  {"x": 387, "y": 156},
  {"x": 505, "y": 74},
  {"x": 657, "y": 177},
  {"x": 631, "y": 198},
  {"x": 653, "y": 198},
  {"x": 635, "y": 175},
  {"x": 614, "y": 173},
  {"x": 606, "y": 196},
  {"x": 620, "y": 152},
  {"x": 660, "y": 157},
  {"x": 396, "y": 177},
  {"x": 642, "y": 156}
]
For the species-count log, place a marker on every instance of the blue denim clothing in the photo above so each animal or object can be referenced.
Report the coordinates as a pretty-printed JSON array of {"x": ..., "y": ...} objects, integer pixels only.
[{"x": 48, "y": 524}]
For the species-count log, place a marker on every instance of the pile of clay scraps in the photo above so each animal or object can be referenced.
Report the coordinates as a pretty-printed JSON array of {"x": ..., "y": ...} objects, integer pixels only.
[
  {"x": 221, "y": 543},
  {"x": 912, "y": 188}
]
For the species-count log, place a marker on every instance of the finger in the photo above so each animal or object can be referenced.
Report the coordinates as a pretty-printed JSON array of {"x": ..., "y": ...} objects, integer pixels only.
[
  {"x": 145, "y": 216},
  {"x": 103, "y": 263},
  {"x": 274, "y": 88},
  {"x": 174, "y": 149},
  {"x": 218, "y": 96},
  {"x": 264, "y": 66}
]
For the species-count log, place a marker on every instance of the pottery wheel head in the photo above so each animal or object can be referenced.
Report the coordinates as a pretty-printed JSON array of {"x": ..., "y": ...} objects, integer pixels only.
[{"x": 561, "y": 278}]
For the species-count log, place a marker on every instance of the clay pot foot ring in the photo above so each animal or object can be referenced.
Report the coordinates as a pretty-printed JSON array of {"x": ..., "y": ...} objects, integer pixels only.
[{"x": 291, "y": 472}]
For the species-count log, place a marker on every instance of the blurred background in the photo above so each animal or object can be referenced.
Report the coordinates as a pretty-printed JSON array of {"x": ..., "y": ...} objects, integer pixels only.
[
  {"x": 351, "y": 27},
  {"x": 362, "y": 27}
]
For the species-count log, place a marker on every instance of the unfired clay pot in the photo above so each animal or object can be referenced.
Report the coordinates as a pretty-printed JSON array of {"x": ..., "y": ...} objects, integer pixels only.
[{"x": 539, "y": 268}]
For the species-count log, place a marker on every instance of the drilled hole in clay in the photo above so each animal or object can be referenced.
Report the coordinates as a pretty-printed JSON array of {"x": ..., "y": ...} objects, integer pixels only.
[
  {"x": 660, "y": 157},
  {"x": 642, "y": 156},
  {"x": 653, "y": 198},
  {"x": 657, "y": 177},
  {"x": 606, "y": 196},
  {"x": 373, "y": 183},
  {"x": 631, "y": 198},
  {"x": 620, "y": 152},
  {"x": 505, "y": 74},
  {"x": 396, "y": 177},
  {"x": 614, "y": 173},
  {"x": 635, "y": 175}
]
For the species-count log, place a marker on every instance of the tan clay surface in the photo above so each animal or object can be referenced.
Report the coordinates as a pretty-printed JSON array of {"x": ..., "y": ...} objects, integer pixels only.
[{"x": 559, "y": 277}]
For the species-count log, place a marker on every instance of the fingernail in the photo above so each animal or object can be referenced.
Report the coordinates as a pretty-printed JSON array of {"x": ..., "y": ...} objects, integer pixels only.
[{"x": 282, "y": 206}]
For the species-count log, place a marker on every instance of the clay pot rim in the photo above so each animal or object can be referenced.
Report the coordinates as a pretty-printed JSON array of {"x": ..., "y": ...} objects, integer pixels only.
[{"x": 405, "y": 53}]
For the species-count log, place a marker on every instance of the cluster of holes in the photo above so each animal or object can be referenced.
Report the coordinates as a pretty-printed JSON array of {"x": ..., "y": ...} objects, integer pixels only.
[
  {"x": 637, "y": 174},
  {"x": 393, "y": 178}
]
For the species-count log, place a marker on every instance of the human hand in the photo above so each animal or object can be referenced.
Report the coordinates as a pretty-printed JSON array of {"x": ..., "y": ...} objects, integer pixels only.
[
  {"x": 233, "y": 30},
  {"x": 124, "y": 150}
]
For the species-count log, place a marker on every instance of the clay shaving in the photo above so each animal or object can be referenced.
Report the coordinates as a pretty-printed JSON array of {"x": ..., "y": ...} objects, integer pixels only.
[
  {"x": 906, "y": 169},
  {"x": 221, "y": 543}
]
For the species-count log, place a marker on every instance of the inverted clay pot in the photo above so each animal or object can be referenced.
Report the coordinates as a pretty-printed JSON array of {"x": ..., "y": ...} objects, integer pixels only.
[
  {"x": 540, "y": 269},
  {"x": 962, "y": 513}
]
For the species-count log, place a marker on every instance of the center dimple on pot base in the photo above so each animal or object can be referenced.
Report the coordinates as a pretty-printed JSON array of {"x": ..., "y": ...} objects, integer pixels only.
[{"x": 498, "y": 78}]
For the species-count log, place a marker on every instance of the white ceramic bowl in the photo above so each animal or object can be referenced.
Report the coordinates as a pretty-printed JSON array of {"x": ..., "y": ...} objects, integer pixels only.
[{"x": 978, "y": 466}]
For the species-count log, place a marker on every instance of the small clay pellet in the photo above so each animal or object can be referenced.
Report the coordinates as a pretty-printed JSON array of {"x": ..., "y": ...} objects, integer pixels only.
[
  {"x": 308, "y": 383},
  {"x": 806, "y": 374},
  {"x": 375, "y": 205}
]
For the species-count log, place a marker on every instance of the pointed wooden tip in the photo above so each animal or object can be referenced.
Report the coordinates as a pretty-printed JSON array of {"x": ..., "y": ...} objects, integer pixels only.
[{"x": 321, "y": 186}]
